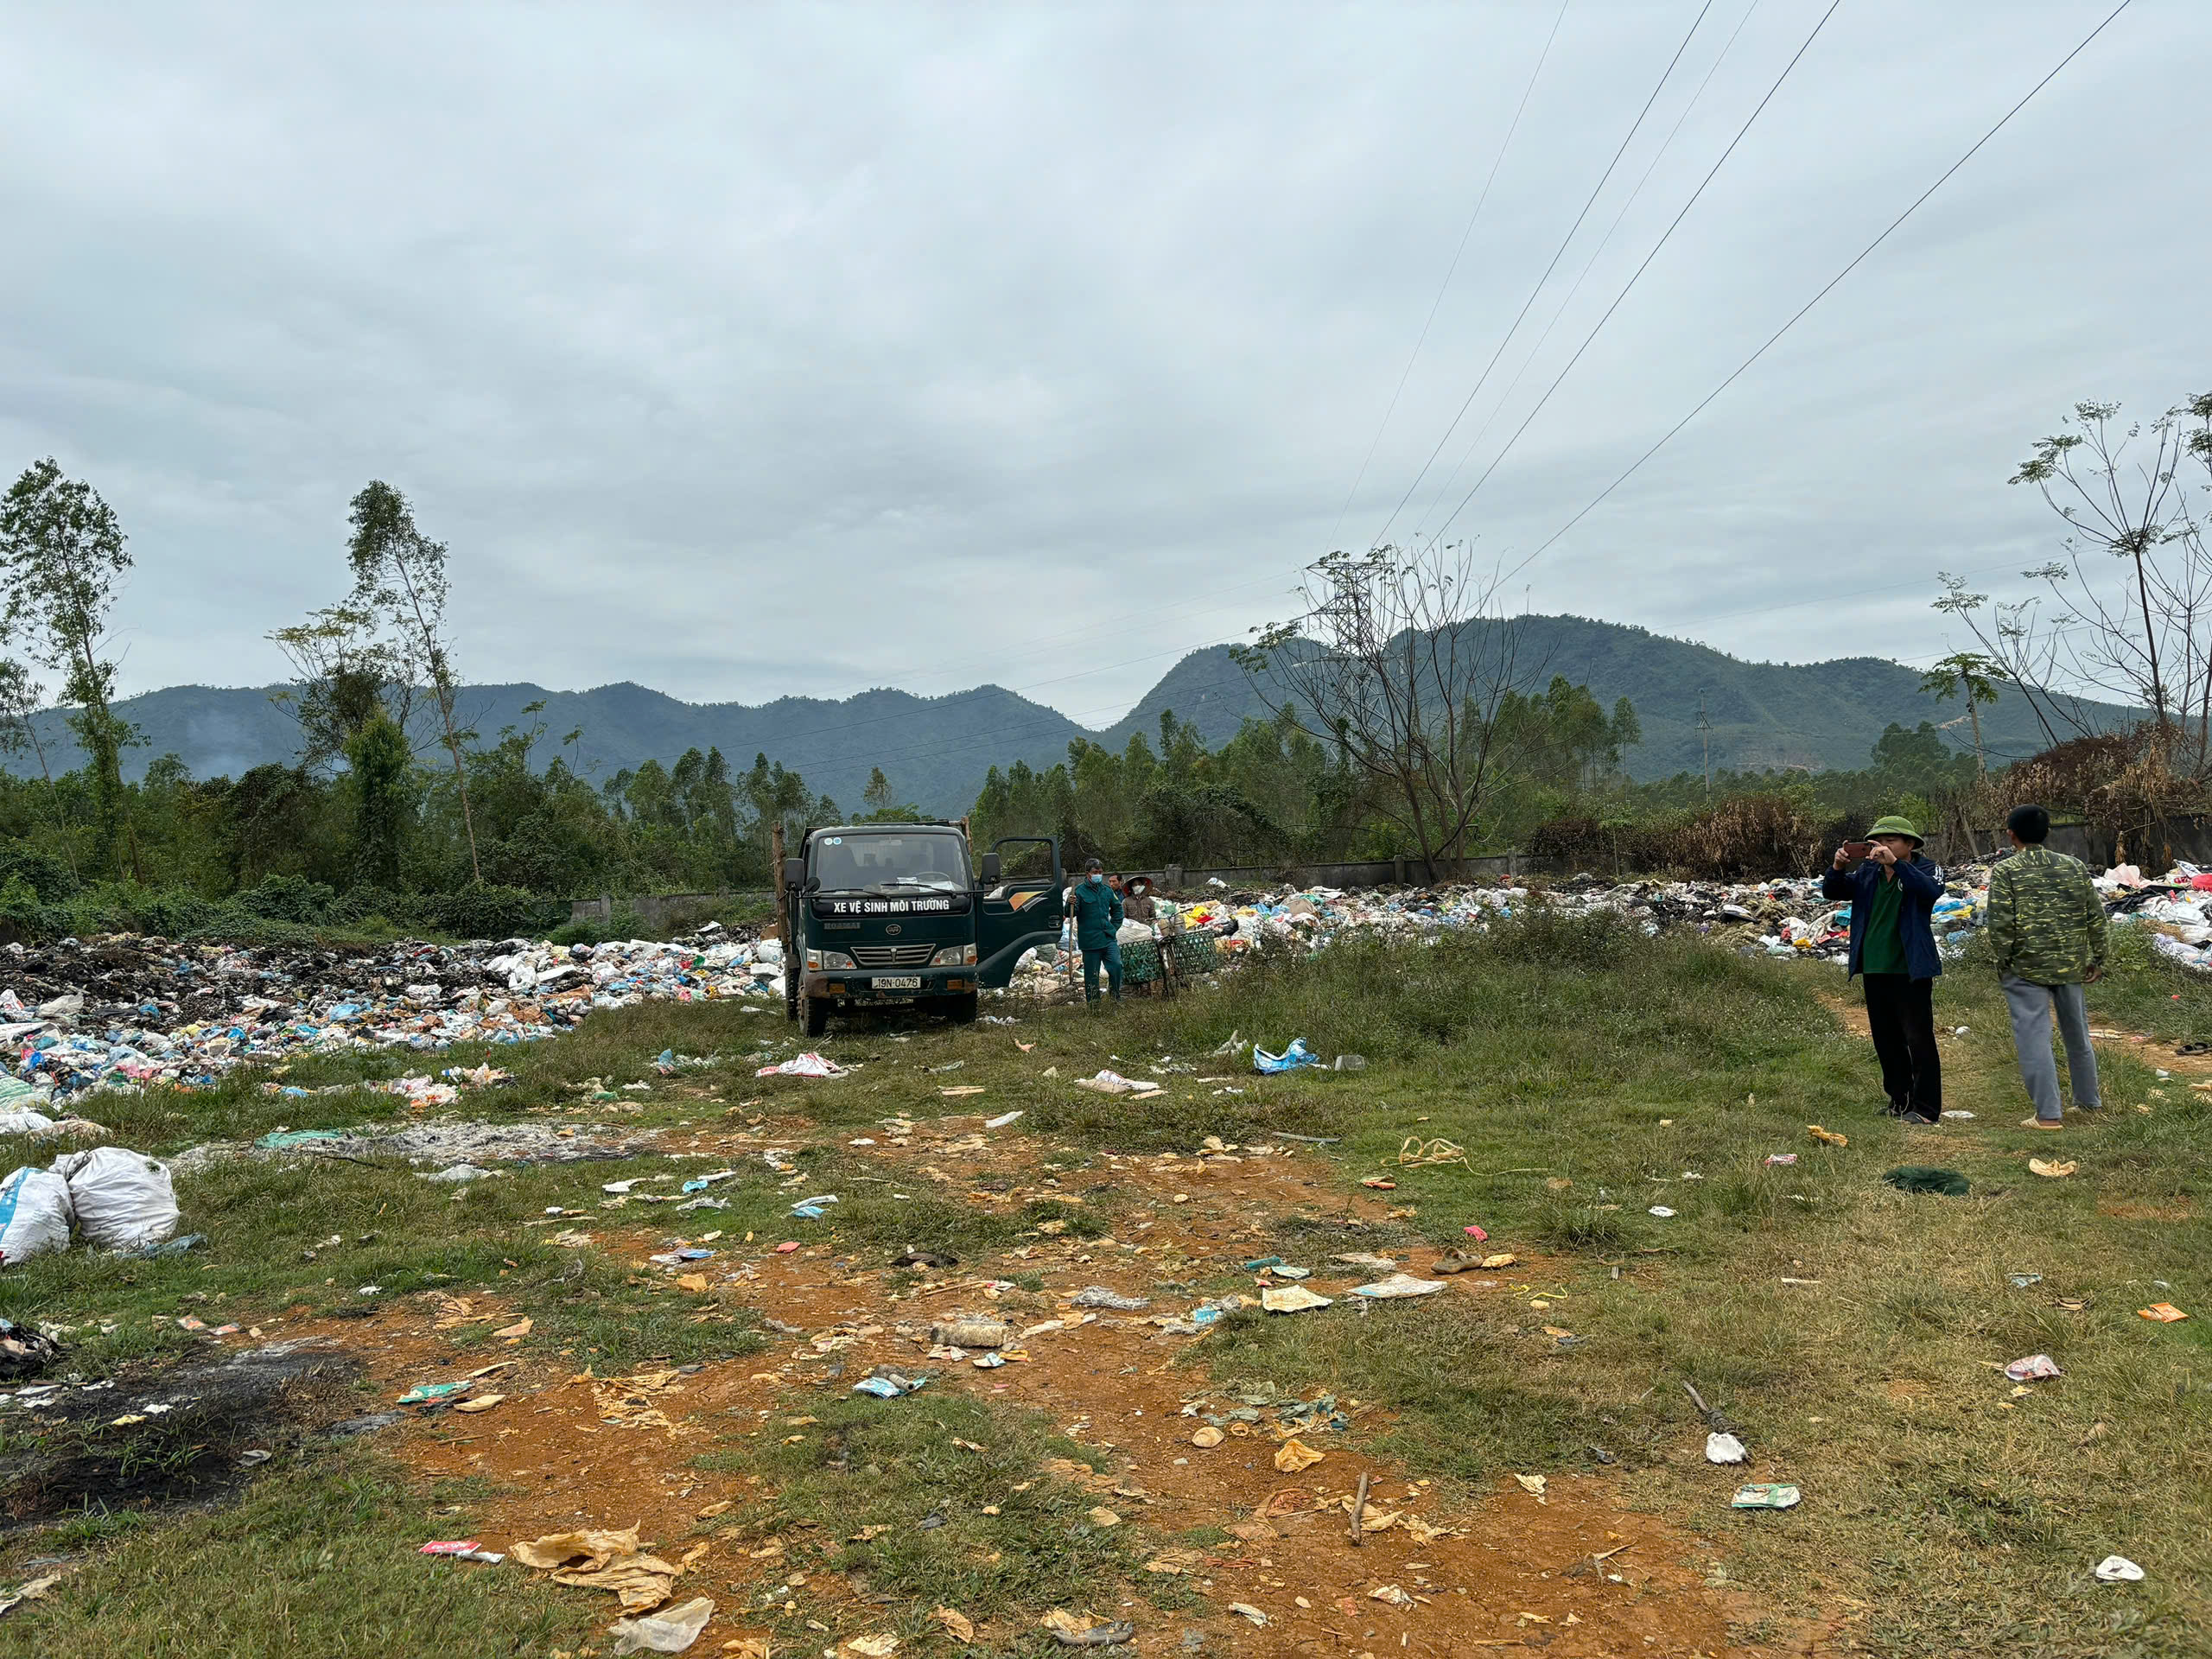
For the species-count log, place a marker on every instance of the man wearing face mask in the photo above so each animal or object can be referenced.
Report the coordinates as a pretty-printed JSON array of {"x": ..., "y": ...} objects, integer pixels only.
[{"x": 1096, "y": 909}]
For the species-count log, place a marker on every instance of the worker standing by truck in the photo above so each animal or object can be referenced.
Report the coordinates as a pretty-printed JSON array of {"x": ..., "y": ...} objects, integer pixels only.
[{"x": 1096, "y": 910}]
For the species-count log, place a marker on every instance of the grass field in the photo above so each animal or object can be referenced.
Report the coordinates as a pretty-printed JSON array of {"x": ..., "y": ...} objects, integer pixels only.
[{"x": 1853, "y": 1334}]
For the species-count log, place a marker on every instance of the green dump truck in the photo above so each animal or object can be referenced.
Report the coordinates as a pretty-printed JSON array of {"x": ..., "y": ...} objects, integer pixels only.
[{"x": 892, "y": 915}]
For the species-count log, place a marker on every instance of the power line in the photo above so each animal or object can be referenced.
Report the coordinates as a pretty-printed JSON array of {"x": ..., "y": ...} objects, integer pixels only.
[
  {"x": 1591, "y": 263},
  {"x": 1637, "y": 274},
  {"x": 1856, "y": 260},
  {"x": 1450, "y": 271},
  {"x": 1557, "y": 255}
]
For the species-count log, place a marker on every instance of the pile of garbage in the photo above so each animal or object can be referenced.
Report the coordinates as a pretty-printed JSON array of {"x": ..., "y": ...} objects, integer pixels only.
[
  {"x": 2176, "y": 908},
  {"x": 126, "y": 1012},
  {"x": 1786, "y": 917}
]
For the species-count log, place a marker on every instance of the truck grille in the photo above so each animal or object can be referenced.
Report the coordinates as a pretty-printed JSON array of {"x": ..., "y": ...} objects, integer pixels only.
[{"x": 894, "y": 956}]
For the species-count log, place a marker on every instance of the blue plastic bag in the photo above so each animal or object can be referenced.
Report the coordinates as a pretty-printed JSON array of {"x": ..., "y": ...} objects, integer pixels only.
[{"x": 1291, "y": 1059}]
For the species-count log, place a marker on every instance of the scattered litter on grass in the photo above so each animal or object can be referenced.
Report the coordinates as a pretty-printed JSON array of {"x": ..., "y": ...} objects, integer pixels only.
[
  {"x": 1001, "y": 1121},
  {"x": 462, "y": 1549},
  {"x": 673, "y": 1629},
  {"x": 2034, "y": 1366},
  {"x": 1099, "y": 1296},
  {"x": 1765, "y": 1494},
  {"x": 1662, "y": 1211},
  {"x": 1827, "y": 1137},
  {"x": 1297, "y": 1056},
  {"x": 888, "y": 1385},
  {"x": 1291, "y": 1299},
  {"x": 809, "y": 1064},
  {"x": 1723, "y": 1448},
  {"x": 2162, "y": 1313},
  {"x": 1294, "y": 1456},
  {"x": 596, "y": 1559},
  {"x": 2117, "y": 1569},
  {"x": 1924, "y": 1177},
  {"x": 1532, "y": 1484},
  {"x": 1416, "y": 1151},
  {"x": 1112, "y": 1083},
  {"x": 2052, "y": 1169},
  {"x": 956, "y": 1625},
  {"x": 1398, "y": 1285}
]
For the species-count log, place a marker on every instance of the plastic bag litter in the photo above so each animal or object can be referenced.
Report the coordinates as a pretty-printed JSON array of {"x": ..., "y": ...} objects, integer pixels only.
[
  {"x": 1292, "y": 1299},
  {"x": 1765, "y": 1494},
  {"x": 1398, "y": 1285},
  {"x": 123, "y": 1199},
  {"x": 34, "y": 1214},
  {"x": 1723, "y": 1448},
  {"x": 889, "y": 1386},
  {"x": 670, "y": 1630},
  {"x": 2117, "y": 1569},
  {"x": 1292, "y": 1059},
  {"x": 2033, "y": 1367},
  {"x": 809, "y": 1064},
  {"x": 1099, "y": 1296},
  {"x": 24, "y": 1122},
  {"x": 1112, "y": 1083}
]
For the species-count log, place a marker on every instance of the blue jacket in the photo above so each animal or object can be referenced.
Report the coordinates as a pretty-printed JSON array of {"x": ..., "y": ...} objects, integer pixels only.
[
  {"x": 1922, "y": 885},
  {"x": 1097, "y": 912}
]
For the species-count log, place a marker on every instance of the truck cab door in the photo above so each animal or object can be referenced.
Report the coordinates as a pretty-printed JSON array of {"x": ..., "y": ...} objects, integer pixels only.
[{"x": 1020, "y": 910}]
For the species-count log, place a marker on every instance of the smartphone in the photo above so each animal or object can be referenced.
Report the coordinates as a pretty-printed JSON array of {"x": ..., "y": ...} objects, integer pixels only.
[{"x": 1857, "y": 848}]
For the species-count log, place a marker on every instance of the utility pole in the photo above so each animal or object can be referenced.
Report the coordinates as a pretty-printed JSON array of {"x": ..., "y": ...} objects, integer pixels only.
[{"x": 1705, "y": 733}]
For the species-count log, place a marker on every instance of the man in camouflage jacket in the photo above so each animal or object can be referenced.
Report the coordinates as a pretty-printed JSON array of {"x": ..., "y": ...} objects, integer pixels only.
[{"x": 2046, "y": 929}]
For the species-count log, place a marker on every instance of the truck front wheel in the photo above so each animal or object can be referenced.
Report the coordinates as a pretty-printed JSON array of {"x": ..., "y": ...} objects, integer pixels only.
[
  {"x": 817, "y": 1012},
  {"x": 962, "y": 1009}
]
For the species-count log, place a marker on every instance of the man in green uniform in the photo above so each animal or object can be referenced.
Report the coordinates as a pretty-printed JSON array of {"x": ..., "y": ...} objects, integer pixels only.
[
  {"x": 1096, "y": 909},
  {"x": 2046, "y": 929}
]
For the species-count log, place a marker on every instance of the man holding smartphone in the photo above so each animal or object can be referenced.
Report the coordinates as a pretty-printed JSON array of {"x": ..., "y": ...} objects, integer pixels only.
[{"x": 1893, "y": 891}]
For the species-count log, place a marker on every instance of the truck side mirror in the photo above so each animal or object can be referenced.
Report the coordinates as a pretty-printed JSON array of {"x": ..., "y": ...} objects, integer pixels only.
[
  {"x": 991, "y": 867},
  {"x": 794, "y": 872}
]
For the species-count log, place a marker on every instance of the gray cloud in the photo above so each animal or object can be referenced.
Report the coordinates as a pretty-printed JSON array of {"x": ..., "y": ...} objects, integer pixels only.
[{"x": 756, "y": 352}]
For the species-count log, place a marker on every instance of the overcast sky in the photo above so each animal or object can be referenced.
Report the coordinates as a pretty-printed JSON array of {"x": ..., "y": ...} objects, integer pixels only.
[{"x": 747, "y": 352}]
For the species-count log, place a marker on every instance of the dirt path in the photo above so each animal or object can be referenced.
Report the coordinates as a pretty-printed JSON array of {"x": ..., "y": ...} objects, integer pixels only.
[{"x": 1500, "y": 1574}]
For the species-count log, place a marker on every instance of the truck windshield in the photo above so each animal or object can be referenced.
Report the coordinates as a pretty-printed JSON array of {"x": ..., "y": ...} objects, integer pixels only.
[{"x": 935, "y": 862}]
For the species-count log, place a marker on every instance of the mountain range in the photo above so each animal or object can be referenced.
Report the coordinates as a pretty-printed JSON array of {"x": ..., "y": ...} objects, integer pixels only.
[{"x": 935, "y": 750}]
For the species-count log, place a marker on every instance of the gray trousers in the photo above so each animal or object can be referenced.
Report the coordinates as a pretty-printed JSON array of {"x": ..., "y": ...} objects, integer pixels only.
[{"x": 2030, "y": 1006}]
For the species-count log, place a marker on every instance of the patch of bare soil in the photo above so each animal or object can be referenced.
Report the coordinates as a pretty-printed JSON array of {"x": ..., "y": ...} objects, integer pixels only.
[{"x": 1571, "y": 1572}]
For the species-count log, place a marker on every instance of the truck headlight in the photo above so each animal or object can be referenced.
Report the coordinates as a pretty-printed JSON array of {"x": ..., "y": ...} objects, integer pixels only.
[
  {"x": 954, "y": 956},
  {"x": 819, "y": 961}
]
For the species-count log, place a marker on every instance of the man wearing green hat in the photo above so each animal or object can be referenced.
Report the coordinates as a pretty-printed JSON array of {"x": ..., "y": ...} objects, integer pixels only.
[{"x": 1893, "y": 892}]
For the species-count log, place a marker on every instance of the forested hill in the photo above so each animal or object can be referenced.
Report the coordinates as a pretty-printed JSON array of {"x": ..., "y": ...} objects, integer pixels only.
[
  {"x": 1762, "y": 714},
  {"x": 935, "y": 750}
]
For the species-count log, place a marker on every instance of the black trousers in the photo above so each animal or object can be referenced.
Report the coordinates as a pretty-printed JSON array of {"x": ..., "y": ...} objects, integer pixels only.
[{"x": 1901, "y": 1014}]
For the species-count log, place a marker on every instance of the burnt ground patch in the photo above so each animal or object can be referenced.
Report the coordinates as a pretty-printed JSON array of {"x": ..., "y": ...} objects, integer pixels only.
[{"x": 163, "y": 1436}]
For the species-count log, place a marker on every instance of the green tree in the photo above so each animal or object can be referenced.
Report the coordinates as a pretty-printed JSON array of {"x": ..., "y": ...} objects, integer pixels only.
[
  {"x": 1975, "y": 675},
  {"x": 883, "y": 804},
  {"x": 62, "y": 558},
  {"x": 378, "y": 760},
  {"x": 399, "y": 575}
]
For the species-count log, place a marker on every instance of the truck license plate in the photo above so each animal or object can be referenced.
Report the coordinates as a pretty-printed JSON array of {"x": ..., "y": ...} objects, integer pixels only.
[{"x": 898, "y": 983}]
